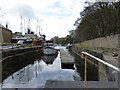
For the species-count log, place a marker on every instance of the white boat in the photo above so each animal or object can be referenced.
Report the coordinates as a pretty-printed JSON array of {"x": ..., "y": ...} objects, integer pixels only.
[{"x": 49, "y": 49}]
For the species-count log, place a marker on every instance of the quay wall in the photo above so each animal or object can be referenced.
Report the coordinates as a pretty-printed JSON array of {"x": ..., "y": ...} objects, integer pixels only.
[
  {"x": 14, "y": 59},
  {"x": 102, "y": 72},
  {"x": 10, "y": 52},
  {"x": 111, "y": 42}
]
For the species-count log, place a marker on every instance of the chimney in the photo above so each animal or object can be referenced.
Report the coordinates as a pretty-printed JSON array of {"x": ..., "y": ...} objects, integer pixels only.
[{"x": 6, "y": 25}]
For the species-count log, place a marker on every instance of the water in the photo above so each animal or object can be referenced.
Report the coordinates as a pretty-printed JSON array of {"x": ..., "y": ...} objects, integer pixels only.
[
  {"x": 92, "y": 70},
  {"x": 38, "y": 71}
]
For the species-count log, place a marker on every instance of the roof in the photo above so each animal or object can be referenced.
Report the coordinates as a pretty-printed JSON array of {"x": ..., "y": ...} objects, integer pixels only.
[{"x": 1, "y": 26}]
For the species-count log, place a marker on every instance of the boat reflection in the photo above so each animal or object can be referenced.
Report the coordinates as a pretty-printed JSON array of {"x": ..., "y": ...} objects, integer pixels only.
[{"x": 49, "y": 59}]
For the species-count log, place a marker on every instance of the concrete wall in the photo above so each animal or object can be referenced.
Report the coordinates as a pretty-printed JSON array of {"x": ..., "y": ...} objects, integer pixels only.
[
  {"x": 104, "y": 42},
  {"x": 5, "y": 35},
  {"x": 101, "y": 73}
]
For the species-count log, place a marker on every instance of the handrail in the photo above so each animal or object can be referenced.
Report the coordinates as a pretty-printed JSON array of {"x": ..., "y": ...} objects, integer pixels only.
[{"x": 103, "y": 62}]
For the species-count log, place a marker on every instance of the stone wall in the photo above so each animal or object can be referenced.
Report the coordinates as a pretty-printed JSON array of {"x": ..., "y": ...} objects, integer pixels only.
[{"x": 104, "y": 42}]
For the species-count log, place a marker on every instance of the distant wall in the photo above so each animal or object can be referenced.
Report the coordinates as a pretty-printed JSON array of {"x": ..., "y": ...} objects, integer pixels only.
[{"x": 104, "y": 42}]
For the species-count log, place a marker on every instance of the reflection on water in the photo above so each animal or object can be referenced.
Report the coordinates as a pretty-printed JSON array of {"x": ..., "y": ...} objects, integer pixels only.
[
  {"x": 13, "y": 64},
  {"x": 92, "y": 71},
  {"x": 36, "y": 74}
]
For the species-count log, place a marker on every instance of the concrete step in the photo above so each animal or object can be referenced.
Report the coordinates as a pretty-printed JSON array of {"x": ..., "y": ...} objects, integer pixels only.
[{"x": 100, "y": 85}]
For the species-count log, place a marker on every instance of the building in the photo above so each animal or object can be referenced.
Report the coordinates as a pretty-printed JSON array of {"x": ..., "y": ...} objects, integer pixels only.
[{"x": 5, "y": 35}]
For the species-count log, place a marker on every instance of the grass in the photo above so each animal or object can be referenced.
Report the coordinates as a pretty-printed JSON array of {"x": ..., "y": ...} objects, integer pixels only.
[{"x": 97, "y": 49}]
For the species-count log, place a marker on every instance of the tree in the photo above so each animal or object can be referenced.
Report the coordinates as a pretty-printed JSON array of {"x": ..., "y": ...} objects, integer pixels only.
[{"x": 98, "y": 19}]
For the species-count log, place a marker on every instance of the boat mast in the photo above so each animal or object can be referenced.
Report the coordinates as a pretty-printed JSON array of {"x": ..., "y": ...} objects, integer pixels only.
[
  {"x": 21, "y": 24},
  {"x": 37, "y": 27},
  {"x": 25, "y": 26},
  {"x": 39, "y": 30}
]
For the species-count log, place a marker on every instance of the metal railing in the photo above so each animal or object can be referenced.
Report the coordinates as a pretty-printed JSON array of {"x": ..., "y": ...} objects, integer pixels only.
[
  {"x": 12, "y": 46},
  {"x": 84, "y": 54},
  {"x": 102, "y": 61}
]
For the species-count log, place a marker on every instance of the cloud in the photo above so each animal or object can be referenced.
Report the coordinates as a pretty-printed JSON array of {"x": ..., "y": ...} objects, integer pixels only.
[
  {"x": 56, "y": 16},
  {"x": 25, "y": 11},
  {"x": 57, "y": 26},
  {"x": 63, "y": 8}
]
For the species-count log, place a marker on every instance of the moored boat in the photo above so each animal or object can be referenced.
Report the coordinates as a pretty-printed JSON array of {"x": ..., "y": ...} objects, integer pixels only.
[{"x": 49, "y": 48}]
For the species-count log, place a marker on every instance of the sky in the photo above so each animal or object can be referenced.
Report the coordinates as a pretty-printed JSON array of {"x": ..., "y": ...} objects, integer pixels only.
[{"x": 55, "y": 17}]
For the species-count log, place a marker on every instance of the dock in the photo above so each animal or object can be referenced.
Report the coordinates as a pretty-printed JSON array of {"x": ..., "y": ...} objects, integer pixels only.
[{"x": 67, "y": 61}]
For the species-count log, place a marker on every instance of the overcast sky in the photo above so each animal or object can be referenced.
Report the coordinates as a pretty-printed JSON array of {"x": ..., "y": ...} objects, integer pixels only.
[{"x": 56, "y": 17}]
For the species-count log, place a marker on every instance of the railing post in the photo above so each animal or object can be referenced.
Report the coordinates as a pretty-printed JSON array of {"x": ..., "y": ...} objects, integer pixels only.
[{"x": 85, "y": 72}]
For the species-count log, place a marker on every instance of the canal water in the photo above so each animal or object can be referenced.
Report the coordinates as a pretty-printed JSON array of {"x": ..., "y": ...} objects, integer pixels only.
[{"x": 34, "y": 69}]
